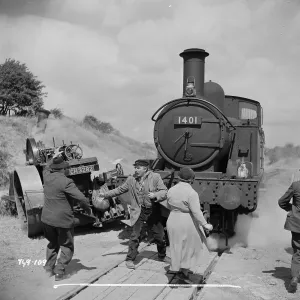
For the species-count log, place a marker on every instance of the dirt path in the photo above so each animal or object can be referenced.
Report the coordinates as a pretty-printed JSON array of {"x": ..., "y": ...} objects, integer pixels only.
[
  {"x": 29, "y": 282},
  {"x": 260, "y": 273},
  {"x": 262, "y": 269}
]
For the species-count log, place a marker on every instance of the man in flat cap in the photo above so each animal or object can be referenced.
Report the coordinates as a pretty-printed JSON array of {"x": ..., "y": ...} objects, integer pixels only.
[
  {"x": 58, "y": 216},
  {"x": 293, "y": 224},
  {"x": 146, "y": 189}
]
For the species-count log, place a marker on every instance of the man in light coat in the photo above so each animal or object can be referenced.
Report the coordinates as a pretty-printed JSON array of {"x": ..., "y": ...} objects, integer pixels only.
[
  {"x": 293, "y": 224},
  {"x": 146, "y": 189}
]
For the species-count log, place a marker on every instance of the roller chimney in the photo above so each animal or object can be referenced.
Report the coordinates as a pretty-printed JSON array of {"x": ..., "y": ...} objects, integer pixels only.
[
  {"x": 193, "y": 70},
  {"x": 42, "y": 116}
]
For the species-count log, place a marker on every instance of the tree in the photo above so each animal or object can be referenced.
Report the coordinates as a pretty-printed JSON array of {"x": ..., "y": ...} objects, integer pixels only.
[{"x": 20, "y": 91}]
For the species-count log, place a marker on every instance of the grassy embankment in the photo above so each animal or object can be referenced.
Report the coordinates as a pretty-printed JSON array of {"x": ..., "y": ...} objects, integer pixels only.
[{"x": 89, "y": 134}]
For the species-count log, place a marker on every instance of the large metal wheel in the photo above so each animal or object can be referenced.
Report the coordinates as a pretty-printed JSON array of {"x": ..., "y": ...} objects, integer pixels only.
[
  {"x": 29, "y": 199},
  {"x": 32, "y": 151}
]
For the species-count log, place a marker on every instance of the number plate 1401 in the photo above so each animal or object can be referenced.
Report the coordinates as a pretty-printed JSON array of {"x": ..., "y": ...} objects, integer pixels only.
[{"x": 187, "y": 120}]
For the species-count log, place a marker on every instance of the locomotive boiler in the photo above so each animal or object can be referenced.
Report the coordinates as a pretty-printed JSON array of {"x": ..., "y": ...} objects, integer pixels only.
[{"x": 219, "y": 136}]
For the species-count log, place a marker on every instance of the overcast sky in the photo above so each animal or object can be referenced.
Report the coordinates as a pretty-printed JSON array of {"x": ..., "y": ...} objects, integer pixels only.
[{"x": 119, "y": 59}]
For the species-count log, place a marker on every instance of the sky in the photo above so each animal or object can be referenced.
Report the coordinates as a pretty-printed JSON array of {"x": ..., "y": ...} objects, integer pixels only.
[{"x": 119, "y": 59}]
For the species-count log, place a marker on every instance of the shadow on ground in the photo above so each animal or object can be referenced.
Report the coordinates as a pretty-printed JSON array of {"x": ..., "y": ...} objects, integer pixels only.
[
  {"x": 115, "y": 225},
  {"x": 289, "y": 250},
  {"x": 75, "y": 266},
  {"x": 282, "y": 273},
  {"x": 174, "y": 279}
]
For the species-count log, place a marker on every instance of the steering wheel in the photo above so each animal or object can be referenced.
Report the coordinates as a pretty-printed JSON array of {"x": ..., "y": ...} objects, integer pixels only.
[
  {"x": 73, "y": 152},
  {"x": 119, "y": 169}
]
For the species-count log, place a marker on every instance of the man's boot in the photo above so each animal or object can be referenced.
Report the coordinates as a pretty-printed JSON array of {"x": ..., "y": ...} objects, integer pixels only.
[
  {"x": 293, "y": 284},
  {"x": 59, "y": 277},
  {"x": 130, "y": 264}
]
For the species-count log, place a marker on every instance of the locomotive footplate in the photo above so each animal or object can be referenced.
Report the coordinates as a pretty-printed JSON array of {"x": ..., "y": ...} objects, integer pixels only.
[{"x": 230, "y": 194}]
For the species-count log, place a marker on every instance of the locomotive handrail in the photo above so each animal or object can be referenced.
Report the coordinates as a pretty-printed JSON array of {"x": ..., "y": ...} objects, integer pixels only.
[
  {"x": 164, "y": 105},
  {"x": 191, "y": 99}
]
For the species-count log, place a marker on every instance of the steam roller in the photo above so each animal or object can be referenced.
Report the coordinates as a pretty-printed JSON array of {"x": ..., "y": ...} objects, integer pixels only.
[{"x": 26, "y": 186}]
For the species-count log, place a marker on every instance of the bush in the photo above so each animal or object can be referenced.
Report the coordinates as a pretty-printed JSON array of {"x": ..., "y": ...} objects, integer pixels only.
[
  {"x": 7, "y": 208},
  {"x": 94, "y": 123},
  {"x": 277, "y": 153},
  {"x": 57, "y": 113},
  {"x": 4, "y": 176}
]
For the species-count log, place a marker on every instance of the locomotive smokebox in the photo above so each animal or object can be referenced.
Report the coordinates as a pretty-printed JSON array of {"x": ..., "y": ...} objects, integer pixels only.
[
  {"x": 42, "y": 116},
  {"x": 193, "y": 69}
]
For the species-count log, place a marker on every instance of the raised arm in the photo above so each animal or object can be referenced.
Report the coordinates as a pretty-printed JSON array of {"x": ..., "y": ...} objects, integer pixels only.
[
  {"x": 47, "y": 168},
  {"x": 117, "y": 191},
  {"x": 194, "y": 207},
  {"x": 72, "y": 191},
  {"x": 284, "y": 201},
  {"x": 161, "y": 190}
]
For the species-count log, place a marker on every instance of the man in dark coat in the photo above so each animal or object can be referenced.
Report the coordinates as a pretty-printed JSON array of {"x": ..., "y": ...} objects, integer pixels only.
[
  {"x": 293, "y": 224},
  {"x": 146, "y": 188},
  {"x": 57, "y": 215}
]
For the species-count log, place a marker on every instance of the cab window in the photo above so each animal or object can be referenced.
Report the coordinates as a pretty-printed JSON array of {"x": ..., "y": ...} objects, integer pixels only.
[{"x": 247, "y": 111}]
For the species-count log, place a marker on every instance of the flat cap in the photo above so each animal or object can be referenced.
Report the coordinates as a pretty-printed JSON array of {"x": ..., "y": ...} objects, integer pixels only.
[{"x": 141, "y": 162}]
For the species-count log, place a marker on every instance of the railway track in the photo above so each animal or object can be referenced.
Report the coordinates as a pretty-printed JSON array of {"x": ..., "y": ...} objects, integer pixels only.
[
  {"x": 148, "y": 281},
  {"x": 294, "y": 176}
]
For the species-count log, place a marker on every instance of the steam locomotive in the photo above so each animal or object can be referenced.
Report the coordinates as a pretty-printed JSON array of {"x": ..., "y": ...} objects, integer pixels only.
[{"x": 219, "y": 136}]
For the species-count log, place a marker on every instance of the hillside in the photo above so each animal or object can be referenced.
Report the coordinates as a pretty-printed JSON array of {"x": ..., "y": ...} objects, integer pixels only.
[{"x": 106, "y": 147}]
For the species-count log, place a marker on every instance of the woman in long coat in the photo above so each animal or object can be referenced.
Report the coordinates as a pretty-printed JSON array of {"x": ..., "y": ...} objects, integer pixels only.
[{"x": 184, "y": 226}]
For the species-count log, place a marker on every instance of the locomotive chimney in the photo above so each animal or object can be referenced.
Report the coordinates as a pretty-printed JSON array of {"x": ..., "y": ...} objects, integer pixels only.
[
  {"x": 193, "y": 69},
  {"x": 42, "y": 116}
]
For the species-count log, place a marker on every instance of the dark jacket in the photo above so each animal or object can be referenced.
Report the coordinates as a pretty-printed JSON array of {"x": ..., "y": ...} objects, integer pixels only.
[
  {"x": 59, "y": 194},
  {"x": 293, "y": 217},
  {"x": 153, "y": 184}
]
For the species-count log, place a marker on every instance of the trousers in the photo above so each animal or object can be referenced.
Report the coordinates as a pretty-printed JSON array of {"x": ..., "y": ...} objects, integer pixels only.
[
  {"x": 295, "y": 267},
  {"x": 149, "y": 216},
  {"x": 59, "y": 239}
]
